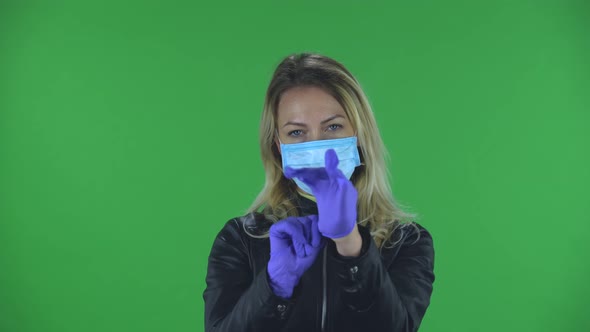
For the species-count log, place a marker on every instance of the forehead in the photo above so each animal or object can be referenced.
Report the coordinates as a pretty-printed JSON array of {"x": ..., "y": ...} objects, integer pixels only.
[{"x": 307, "y": 102}]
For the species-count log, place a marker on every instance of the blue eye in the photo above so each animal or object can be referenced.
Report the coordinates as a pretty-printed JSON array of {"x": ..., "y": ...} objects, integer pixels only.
[
  {"x": 334, "y": 126},
  {"x": 295, "y": 132}
]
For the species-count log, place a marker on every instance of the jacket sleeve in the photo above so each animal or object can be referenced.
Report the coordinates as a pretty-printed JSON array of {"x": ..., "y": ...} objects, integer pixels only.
[
  {"x": 385, "y": 297},
  {"x": 235, "y": 298}
]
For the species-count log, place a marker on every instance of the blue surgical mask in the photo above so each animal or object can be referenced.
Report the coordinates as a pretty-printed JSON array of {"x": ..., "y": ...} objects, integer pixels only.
[{"x": 312, "y": 154}]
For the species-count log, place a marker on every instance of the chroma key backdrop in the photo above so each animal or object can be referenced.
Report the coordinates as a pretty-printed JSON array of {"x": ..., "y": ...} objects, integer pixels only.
[{"x": 129, "y": 136}]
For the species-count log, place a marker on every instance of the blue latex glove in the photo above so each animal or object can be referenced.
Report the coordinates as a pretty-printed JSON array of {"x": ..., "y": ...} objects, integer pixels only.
[
  {"x": 294, "y": 245},
  {"x": 335, "y": 195}
]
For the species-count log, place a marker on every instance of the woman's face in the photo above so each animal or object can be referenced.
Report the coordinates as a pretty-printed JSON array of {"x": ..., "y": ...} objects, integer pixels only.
[{"x": 308, "y": 114}]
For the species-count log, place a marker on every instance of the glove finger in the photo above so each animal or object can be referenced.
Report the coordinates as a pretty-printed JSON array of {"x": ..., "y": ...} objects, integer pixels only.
[
  {"x": 308, "y": 260},
  {"x": 306, "y": 222},
  {"x": 278, "y": 245},
  {"x": 298, "y": 238},
  {"x": 309, "y": 250},
  {"x": 279, "y": 228},
  {"x": 316, "y": 235},
  {"x": 309, "y": 175},
  {"x": 300, "y": 249},
  {"x": 332, "y": 161},
  {"x": 306, "y": 174},
  {"x": 281, "y": 234},
  {"x": 291, "y": 172},
  {"x": 294, "y": 231}
]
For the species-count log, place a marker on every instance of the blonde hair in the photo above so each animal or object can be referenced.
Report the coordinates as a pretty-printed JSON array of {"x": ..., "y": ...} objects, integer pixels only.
[{"x": 376, "y": 206}]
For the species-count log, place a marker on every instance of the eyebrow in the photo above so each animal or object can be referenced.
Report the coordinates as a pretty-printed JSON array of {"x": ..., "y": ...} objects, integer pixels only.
[{"x": 304, "y": 125}]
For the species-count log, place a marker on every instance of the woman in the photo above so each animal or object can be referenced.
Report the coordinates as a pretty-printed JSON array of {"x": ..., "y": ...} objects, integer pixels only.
[{"x": 325, "y": 246}]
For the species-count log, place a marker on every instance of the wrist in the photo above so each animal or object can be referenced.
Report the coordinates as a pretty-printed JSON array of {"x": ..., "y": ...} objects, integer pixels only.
[{"x": 351, "y": 244}]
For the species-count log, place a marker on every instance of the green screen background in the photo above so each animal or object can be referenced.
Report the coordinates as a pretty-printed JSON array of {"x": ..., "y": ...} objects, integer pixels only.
[{"x": 128, "y": 137}]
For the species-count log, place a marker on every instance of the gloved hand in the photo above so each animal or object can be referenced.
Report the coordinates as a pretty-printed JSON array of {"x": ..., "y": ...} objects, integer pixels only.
[
  {"x": 294, "y": 245},
  {"x": 336, "y": 196}
]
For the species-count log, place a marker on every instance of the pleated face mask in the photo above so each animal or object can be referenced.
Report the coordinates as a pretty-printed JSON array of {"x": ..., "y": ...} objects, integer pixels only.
[{"x": 312, "y": 154}]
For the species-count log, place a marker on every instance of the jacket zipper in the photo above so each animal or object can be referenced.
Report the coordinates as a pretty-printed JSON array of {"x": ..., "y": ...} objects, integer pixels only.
[{"x": 324, "y": 289}]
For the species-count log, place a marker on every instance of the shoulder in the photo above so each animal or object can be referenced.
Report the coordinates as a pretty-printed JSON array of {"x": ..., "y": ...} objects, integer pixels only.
[
  {"x": 238, "y": 236},
  {"x": 411, "y": 239},
  {"x": 412, "y": 232},
  {"x": 255, "y": 223}
]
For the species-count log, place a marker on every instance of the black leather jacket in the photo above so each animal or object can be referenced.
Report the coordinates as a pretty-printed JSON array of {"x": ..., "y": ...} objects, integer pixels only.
[{"x": 387, "y": 290}]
